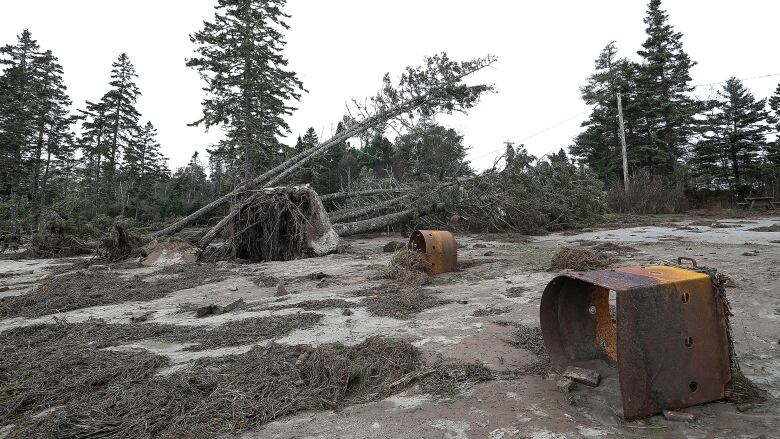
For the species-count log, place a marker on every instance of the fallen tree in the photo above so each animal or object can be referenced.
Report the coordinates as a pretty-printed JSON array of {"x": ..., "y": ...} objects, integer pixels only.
[
  {"x": 436, "y": 87},
  {"x": 384, "y": 221}
]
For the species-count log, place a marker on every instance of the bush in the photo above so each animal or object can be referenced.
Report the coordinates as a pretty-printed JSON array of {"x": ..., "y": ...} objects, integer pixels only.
[{"x": 648, "y": 194}]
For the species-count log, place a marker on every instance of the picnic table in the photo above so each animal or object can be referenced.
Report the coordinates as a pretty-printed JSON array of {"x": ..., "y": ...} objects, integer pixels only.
[{"x": 751, "y": 202}]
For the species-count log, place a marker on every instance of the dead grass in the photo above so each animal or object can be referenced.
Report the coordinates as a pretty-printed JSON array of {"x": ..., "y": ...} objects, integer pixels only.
[
  {"x": 580, "y": 259},
  {"x": 529, "y": 338},
  {"x": 119, "y": 394},
  {"x": 407, "y": 268},
  {"x": 85, "y": 288},
  {"x": 516, "y": 291}
]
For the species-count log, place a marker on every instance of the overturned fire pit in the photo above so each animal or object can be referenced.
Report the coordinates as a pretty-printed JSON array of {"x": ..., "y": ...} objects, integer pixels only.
[
  {"x": 667, "y": 333},
  {"x": 439, "y": 249},
  {"x": 282, "y": 224}
]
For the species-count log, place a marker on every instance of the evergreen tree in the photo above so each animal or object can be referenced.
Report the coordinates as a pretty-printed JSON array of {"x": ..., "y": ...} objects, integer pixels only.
[
  {"x": 17, "y": 114},
  {"x": 34, "y": 121},
  {"x": 378, "y": 155},
  {"x": 53, "y": 125},
  {"x": 249, "y": 88},
  {"x": 773, "y": 148},
  {"x": 121, "y": 116},
  {"x": 666, "y": 119},
  {"x": 736, "y": 132},
  {"x": 432, "y": 151},
  {"x": 144, "y": 165},
  {"x": 311, "y": 172},
  {"x": 599, "y": 145}
]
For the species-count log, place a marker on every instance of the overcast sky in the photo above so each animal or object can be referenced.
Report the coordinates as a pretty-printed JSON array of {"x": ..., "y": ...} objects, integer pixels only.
[{"x": 341, "y": 49}]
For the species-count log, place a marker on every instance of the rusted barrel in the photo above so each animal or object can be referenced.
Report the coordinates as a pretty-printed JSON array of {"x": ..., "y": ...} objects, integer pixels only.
[{"x": 439, "y": 249}]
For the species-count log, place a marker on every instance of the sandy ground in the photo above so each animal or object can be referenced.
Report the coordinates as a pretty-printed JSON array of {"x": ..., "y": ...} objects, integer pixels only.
[{"x": 529, "y": 406}]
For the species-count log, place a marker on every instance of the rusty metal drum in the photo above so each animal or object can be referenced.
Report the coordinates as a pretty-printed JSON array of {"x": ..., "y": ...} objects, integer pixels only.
[{"x": 439, "y": 250}]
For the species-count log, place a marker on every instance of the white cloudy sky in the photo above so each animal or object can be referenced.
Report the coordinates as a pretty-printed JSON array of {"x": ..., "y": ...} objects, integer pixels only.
[{"x": 341, "y": 49}]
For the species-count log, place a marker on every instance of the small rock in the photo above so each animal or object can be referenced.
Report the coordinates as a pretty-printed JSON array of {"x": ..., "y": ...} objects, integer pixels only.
[
  {"x": 208, "y": 310},
  {"x": 234, "y": 288},
  {"x": 317, "y": 276},
  {"x": 463, "y": 302},
  {"x": 671, "y": 415},
  {"x": 303, "y": 357},
  {"x": 393, "y": 246},
  {"x": 233, "y": 306},
  {"x": 346, "y": 312},
  {"x": 745, "y": 407},
  {"x": 96, "y": 267},
  {"x": 5, "y": 288},
  {"x": 490, "y": 253},
  {"x": 141, "y": 316},
  {"x": 582, "y": 375},
  {"x": 480, "y": 245},
  {"x": 281, "y": 290},
  {"x": 565, "y": 385}
]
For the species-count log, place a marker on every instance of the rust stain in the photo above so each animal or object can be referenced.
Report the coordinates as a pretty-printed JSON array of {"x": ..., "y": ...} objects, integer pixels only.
[{"x": 606, "y": 334}]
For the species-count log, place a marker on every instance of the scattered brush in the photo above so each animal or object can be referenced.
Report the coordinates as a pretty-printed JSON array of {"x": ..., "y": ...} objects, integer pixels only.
[
  {"x": 407, "y": 267},
  {"x": 740, "y": 390},
  {"x": 84, "y": 289},
  {"x": 529, "y": 338},
  {"x": 516, "y": 291},
  {"x": 402, "y": 303},
  {"x": 449, "y": 379},
  {"x": 580, "y": 259},
  {"x": 772, "y": 228},
  {"x": 52, "y": 240},
  {"x": 99, "y": 393},
  {"x": 490, "y": 311},
  {"x": 311, "y": 305},
  {"x": 612, "y": 247}
]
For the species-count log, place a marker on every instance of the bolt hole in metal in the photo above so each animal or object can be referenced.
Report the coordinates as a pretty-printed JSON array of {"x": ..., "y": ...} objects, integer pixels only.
[
  {"x": 689, "y": 341},
  {"x": 686, "y": 297},
  {"x": 592, "y": 310},
  {"x": 693, "y": 385}
]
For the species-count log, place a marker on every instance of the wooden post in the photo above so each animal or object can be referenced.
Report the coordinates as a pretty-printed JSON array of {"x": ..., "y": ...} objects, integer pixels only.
[{"x": 623, "y": 140}]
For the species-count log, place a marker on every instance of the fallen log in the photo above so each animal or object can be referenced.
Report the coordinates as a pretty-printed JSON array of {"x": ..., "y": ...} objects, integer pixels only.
[
  {"x": 342, "y": 216},
  {"x": 365, "y": 193},
  {"x": 381, "y": 222}
]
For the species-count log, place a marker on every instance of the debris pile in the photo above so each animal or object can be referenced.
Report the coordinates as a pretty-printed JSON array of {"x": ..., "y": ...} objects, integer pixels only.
[{"x": 580, "y": 259}]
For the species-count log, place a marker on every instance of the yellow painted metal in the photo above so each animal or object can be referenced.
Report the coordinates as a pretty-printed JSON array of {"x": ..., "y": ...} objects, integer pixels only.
[{"x": 439, "y": 249}]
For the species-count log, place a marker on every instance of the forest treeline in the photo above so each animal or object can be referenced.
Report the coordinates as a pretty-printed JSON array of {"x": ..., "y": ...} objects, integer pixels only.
[{"x": 101, "y": 158}]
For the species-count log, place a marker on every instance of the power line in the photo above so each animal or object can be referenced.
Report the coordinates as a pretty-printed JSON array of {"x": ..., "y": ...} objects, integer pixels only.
[
  {"x": 741, "y": 79},
  {"x": 556, "y": 125}
]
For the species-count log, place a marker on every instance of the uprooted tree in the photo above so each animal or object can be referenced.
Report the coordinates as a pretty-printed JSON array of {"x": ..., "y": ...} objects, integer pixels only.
[{"x": 436, "y": 87}]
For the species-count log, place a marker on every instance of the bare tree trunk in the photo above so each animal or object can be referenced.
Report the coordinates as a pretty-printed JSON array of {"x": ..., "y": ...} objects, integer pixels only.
[
  {"x": 366, "y": 193},
  {"x": 350, "y": 214},
  {"x": 379, "y": 223}
]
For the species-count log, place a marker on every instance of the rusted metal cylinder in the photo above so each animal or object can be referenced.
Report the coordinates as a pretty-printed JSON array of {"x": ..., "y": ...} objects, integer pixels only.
[{"x": 439, "y": 249}]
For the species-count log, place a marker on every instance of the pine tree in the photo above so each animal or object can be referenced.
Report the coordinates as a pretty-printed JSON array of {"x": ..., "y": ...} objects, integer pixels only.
[
  {"x": 17, "y": 114},
  {"x": 599, "y": 145},
  {"x": 35, "y": 125},
  {"x": 666, "y": 109},
  {"x": 144, "y": 165},
  {"x": 736, "y": 131},
  {"x": 53, "y": 125},
  {"x": 773, "y": 148},
  {"x": 431, "y": 151},
  {"x": 121, "y": 116},
  {"x": 248, "y": 84},
  {"x": 378, "y": 155}
]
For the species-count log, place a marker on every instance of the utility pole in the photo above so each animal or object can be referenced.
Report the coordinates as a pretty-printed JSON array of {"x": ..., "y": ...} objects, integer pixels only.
[{"x": 622, "y": 134}]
